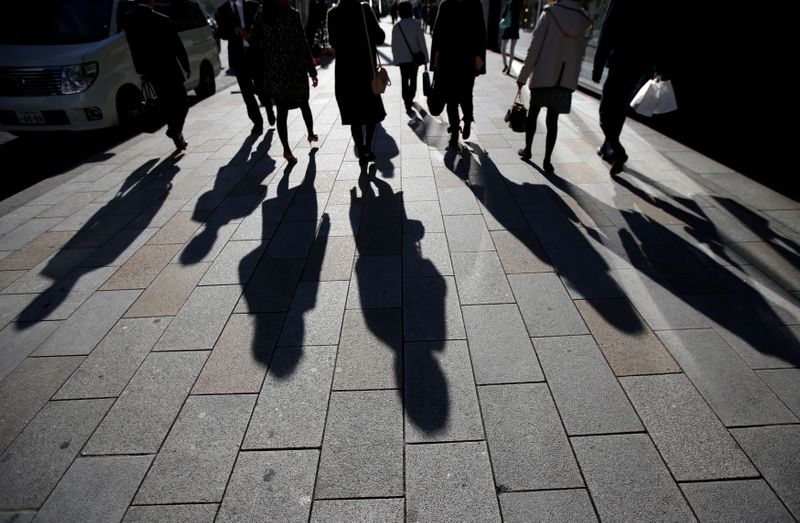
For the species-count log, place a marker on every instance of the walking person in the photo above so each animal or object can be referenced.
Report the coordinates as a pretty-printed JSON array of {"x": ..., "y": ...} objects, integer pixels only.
[
  {"x": 354, "y": 33},
  {"x": 458, "y": 56},
  {"x": 408, "y": 43},
  {"x": 234, "y": 19},
  {"x": 510, "y": 33},
  {"x": 160, "y": 58},
  {"x": 288, "y": 65},
  {"x": 553, "y": 64}
]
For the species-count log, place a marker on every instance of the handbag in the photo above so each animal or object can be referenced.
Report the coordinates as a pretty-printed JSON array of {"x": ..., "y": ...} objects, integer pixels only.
[
  {"x": 516, "y": 116},
  {"x": 435, "y": 100},
  {"x": 150, "y": 117},
  {"x": 419, "y": 56},
  {"x": 655, "y": 97},
  {"x": 427, "y": 90},
  {"x": 380, "y": 77}
]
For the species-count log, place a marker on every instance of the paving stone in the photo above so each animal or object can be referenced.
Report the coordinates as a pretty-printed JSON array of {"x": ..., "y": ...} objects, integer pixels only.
[
  {"x": 198, "y": 455},
  {"x": 200, "y": 513},
  {"x": 19, "y": 340},
  {"x": 201, "y": 319},
  {"x": 748, "y": 500},
  {"x": 786, "y": 384},
  {"x": 331, "y": 259},
  {"x": 120, "y": 248},
  {"x": 294, "y": 399},
  {"x": 500, "y": 346},
  {"x": 450, "y": 481},
  {"x": 206, "y": 244},
  {"x": 272, "y": 486},
  {"x": 376, "y": 283},
  {"x": 20, "y": 215},
  {"x": 315, "y": 316},
  {"x": 88, "y": 325},
  {"x": 52, "y": 269},
  {"x": 690, "y": 438},
  {"x": 95, "y": 489},
  {"x": 370, "y": 348},
  {"x": 530, "y": 450},
  {"x": 36, "y": 251},
  {"x": 363, "y": 443},
  {"x": 457, "y": 201},
  {"x": 271, "y": 286},
  {"x": 422, "y": 218},
  {"x": 28, "y": 232},
  {"x": 467, "y": 234},
  {"x": 168, "y": 292},
  {"x": 292, "y": 240},
  {"x": 732, "y": 390},
  {"x": 33, "y": 464},
  {"x": 431, "y": 311},
  {"x": 17, "y": 517},
  {"x": 627, "y": 479},
  {"x": 480, "y": 278},
  {"x": 178, "y": 230},
  {"x": 66, "y": 295},
  {"x": 141, "y": 269},
  {"x": 145, "y": 410},
  {"x": 25, "y": 390},
  {"x": 388, "y": 510},
  {"x": 584, "y": 273},
  {"x": 419, "y": 189},
  {"x": 520, "y": 252},
  {"x": 776, "y": 453},
  {"x": 588, "y": 395},
  {"x": 546, "y": 506},
  {"x": 426, "y": 256},
  {"x": 546, "y": 307},
  {"x": 234, "y": 264},
  {"x": 12, "y": 305},
  {"x": 106, "y": 371},
  {"x": 628, "y": 344},
  {"x": 379, "y": 236}
]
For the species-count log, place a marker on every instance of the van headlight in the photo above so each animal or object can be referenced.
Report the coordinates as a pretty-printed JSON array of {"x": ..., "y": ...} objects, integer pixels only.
[{"x": 78, "y": 78}]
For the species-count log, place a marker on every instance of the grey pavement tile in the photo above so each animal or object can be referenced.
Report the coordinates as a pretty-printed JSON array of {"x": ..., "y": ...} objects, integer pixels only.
[
  {"x": 500, "y": 346},
  {"x": 628, "y": 344},
  {"x": 19, "y": 340},
  {"x": 776, "y": 453},
  {"x": 234, "y": 208},
  {"x": 529, "y": 447},
  {"x": 28, "y": 232},
  {"x": 22, "y": 516},
  {"x": 422, "y": 217},
  {"x": 66, "y": 295},
  {"x": 98, "y": 233},
  {"x": 315, "y": 316},
  {"x": 159, "y": 213},
  {"x": 120, "y": 248},
  {"x": 340, "y": 220},
  {"x": 467, "y": 234},
  {"x": 545, "y": 305},
  {"x": 95, "y": 489},
  {"x": 271, "y": 286},
  {"x": 363, "y": 443},
  {"x": 167, "y": 293},
  {"x": 520, "y": 252},
  {"x": 234, "y": 264},
  {"x": 450, "y": 482},
  {"x": 627, "y": 479},
  {"x": 545, "y": 506},
  {"x": 145, "y": 410},
  {"x": 201, "y": 319},
  {"x": 744, "y": 190},
  {"x": 198, "y": 455},
  {"x": 291, "y": 408},
  {"x": 382, "y": 510},
  {"x": 270, "y": 486},
  {"x": 206, "y": 244},
  {"x": 306, "y": 206},
  {"x": 419, "y": 189},
  {"x": 142, "y": 268},
  {"x": 31, "y": 467},
  {"x": 12, "y": 305},
  {"x": 292, "y": 240},
  {"x": 786, "y": 384},
  {"x": 36, "y": 251},
  {"x": 426, "y": 256},
  {"x": 330, "y": 259},
  {"x": 379, "y": 235},
  {"x": 50, "y": 270},
  {"x": 196, "y": 513},
  {"x": 239, "y": 360},
  {"x": 457, "y": 201},
  {"x": 440, "y": 400},
  {"x": 179, "y": 229},
  {"x": 480, "y": 278},
  {"x": 376, "y": 283},
  {"x": 88, "y": 325},
  {"x": 416, "y": 167},
  {"x": 431, "y": 311},
  {"x": 256, "y": 227},
  {"x": 26, "y": 390},
  {"x": 369, "y": 355},
  {"x": 586, "y": 392},
  {"x": 732, "y": 390},
  {"x": 690, "y": 438},
  {"x": 771, "y": 301},
  {"x": 748, "y": 500},
  {"x": 682, "y": 268},
  {"x": 19, "y": 216},
  {"x": 106, "y": 371},
  {"x": 584, "y": 273}
]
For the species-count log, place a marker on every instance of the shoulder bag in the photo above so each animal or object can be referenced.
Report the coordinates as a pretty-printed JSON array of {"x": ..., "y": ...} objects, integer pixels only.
[
  {"x": 419, "y": 56},
  {"x": 380, "y": 77}
]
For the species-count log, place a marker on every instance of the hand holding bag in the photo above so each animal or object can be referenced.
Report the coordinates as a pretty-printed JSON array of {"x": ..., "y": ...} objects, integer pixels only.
[
  {"x": 517, "y": 116},
  {"x": 380, "y": 77},
  {"x": 435, "y": 100},
  {"x": 655, "y": 97},
  {"x": 150, "y": 117}
]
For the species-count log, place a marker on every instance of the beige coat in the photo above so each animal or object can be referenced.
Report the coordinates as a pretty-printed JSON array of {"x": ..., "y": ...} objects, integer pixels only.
[{"x": 554, "y": 57}]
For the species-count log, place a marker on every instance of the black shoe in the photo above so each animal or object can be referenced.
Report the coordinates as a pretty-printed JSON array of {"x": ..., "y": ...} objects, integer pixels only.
[
  {"x": 524, "y": 154},
  {"x": 257, "y": 129},
  {"x": 548, "y": 167},
  {"x": 453, "y": 143},
  {"x": 467, "y": 124},
  {"x": 271, "y": 118},
  {"x": 180, "y": 142},
  {"x": 617, "y": 164}
]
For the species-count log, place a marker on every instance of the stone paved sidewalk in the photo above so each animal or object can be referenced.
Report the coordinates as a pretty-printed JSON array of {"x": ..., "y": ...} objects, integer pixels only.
[{"x": 448, "y": 336}]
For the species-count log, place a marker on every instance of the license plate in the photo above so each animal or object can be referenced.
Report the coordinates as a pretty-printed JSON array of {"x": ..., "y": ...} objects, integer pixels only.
[{"x": 30, "y": 117}]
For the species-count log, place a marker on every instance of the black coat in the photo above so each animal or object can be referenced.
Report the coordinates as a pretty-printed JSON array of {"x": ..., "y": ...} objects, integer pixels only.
[
  {"x": 357, "y": 103},
  {"x": 227, "y": 22},
  {"x": 156, "y": 48},
  {"x": 632, "y": 37},
  {"x": 459, "y": 36}
]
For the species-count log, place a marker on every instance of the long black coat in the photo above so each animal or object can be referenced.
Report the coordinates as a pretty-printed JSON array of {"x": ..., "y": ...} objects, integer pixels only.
[
  {"x": 156, "y": 48},
  {"x": 348, "y": 37},
  {"x": 227, "y": 22},
  {"x": 459, "y": 36}
]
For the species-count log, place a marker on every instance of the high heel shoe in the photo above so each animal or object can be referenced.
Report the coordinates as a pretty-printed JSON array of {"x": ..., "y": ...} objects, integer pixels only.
[
  {"x": 289, "y": 157},
  {"x": 312, "y": 138}
]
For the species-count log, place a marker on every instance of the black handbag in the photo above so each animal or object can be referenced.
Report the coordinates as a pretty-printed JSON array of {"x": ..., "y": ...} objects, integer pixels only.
[
  {"x": 517, "y": 116},
  {"x": 436, "y": 99},
  {"x": 150, "y": 116},
  {"x": 426, "y": 83}
]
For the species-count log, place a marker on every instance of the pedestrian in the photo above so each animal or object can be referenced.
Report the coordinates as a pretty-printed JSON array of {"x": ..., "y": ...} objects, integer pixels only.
[
  {"x": 352, "y": 30},
  {"x": 234, "y": 20},
  {"x": 408, "y": 41},
  {"x": 630, "y": 46},
  {"x": 288, "y": 65},
  {"x": 160, "y": 58},
  {"x": 510, "y": 33},
  {"x": 458, "y": 55},
  {"x": 553, "y": 64},
  {"x": 433, "y": 10}
]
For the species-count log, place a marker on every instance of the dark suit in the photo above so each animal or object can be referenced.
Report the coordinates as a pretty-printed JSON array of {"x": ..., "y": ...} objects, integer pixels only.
[
  {"x": 246, "y": 62},
  {"x": 158, "y": 54}
]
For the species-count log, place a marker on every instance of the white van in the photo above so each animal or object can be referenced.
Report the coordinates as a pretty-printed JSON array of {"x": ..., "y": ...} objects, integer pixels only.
[{"x": 65, "y": 65}]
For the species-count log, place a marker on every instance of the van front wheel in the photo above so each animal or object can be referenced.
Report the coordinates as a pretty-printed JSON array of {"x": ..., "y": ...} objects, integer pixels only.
[{"x": 208, "y": 84}]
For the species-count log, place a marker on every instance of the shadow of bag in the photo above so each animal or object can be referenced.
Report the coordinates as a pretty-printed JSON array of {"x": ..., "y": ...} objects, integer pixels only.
[
  {"x": 516, "y": 116},
  {"x": 435, "y": 100},
  {"x": 150, "y": 117}
]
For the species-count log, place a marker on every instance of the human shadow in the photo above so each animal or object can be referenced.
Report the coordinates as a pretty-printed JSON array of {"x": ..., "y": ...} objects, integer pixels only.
[{"x": 106, "y": 235}]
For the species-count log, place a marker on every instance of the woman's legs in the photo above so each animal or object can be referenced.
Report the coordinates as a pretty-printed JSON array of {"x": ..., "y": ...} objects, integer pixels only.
[
  {"x": 550, "y": 140},
  {"x": 406, "y": 83},
  {"x": 357, "y": 132},
  {"x": 308, "y": 118},
  {"x": 283, "y": 133},
  {"x": 511, "y": 55},
  {"x": 362, "y": 138},
  {"x": 530, "y": 130},
  {"x": 503, "y": 46}
]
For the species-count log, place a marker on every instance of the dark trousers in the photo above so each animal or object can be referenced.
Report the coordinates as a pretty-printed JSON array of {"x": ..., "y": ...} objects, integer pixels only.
[
  {"x": 173, "y": 103},
  {"x": 618, "y": 91},
  {"x": 459, "y": 93},
  {"x": 250, "y": 77},
  {"x": 408, "y": 81}
]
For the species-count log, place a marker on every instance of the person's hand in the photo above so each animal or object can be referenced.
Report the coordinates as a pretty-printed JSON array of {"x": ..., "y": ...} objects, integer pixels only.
[
  {"x": 478, "y": 64},
  {"x": 597, "y": 74},
  {"x": 314, "y": 81}
]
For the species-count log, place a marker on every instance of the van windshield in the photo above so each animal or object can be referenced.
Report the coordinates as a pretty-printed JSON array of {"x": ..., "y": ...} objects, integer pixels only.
[{"x": 48, "y": 22}]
